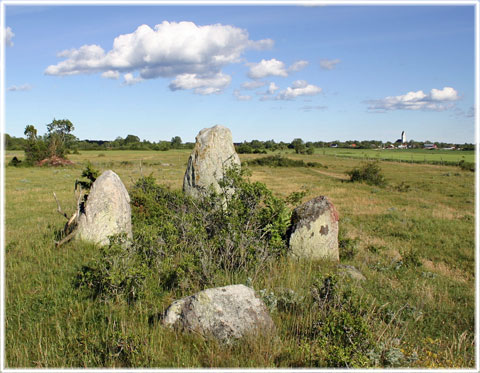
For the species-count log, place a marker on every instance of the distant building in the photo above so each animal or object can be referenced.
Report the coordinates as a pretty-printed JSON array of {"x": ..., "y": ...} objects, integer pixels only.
[
  {"x": 334, "y": 145},
  {"x": 402, "y": 142},
  {"x": 430, "y": 146}
]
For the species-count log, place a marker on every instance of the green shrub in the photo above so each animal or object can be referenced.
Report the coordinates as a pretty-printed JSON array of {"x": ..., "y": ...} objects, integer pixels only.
[
  {"x": 279, "y": 161},
  {"x": 369, "y": 173},
  {"x": 189, "y": 243},
  {"x": 466, "y": 166}
]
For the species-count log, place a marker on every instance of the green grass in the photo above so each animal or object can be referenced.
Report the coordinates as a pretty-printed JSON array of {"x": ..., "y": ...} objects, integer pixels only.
[{"x": 414, "y": 245}]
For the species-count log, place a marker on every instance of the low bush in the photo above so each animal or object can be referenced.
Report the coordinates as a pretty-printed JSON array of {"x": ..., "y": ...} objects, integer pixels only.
[
  {"x": 279, "y": 161},
  {"x": 369, "y": 173},
  {"x": 188, "y": 244},
  {"x": 466, "y": 166}
]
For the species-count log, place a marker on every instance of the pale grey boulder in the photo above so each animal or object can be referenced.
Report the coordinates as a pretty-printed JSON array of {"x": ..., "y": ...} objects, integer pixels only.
[
  {"x": 351, "y": 271},
  {"x": 314, "y": 230},
  {"x": 211, "y": 157},
  {"x": 226, "y": 313},
  {"x": 106, "y": 212}
]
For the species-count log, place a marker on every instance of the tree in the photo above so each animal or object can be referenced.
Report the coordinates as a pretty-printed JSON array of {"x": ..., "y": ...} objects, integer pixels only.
[
  {"x": 176, "y": 142},
  {"x": 35, "y": 148},
  {"x": 130, "y": 139},
  {"x": 299, "y": 146}
]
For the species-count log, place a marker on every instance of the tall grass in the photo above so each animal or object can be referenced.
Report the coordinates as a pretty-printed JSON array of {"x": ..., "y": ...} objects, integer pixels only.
[{"x": 414, "y": 245}]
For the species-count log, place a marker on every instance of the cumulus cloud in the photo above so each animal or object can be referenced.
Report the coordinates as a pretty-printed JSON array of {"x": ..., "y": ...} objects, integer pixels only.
[
  {"x": 204, "y": 85},
  {"x": 8, "y": 37},
  {"x": 253, "y": 85},
  {"x": 182, "y": 50},
  {"x": 327, "y": 64},
  {"x": 298, "y": 88},
  {"x": 298, "y": 65},
  {"x": 110, "y": 74},
  {"x": 273, "y": 67},
  {"x": 19, "y": 88},
  {"x": 272, "y": 87},
  {"x": 129, "y": 79},
  {"x": 437, "y": 100},
  {"x": 241, "y": 97},
  {"x": 265, "y": 68}
]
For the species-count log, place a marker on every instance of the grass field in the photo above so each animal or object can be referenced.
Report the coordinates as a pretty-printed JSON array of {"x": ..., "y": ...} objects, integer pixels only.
[{"x": 414, "y": 241}]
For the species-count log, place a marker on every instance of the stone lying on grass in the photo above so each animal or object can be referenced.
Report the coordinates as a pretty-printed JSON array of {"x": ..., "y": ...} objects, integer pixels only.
[
  {"x": 314, "y": 230},
  {"x": 224, "y": 313},
  {"x": 212, "y": 155},
  {"x": 106, "y": 212},
  {"x": 351, "y": 271}
]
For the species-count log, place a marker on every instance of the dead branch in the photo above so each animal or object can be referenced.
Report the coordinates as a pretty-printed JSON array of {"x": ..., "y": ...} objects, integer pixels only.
[
  {"x": 59, "y": 209},
  {"x": 66, "y": 239}
]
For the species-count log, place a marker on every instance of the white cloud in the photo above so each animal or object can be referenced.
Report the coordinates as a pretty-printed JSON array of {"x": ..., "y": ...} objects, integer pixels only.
[
  {"x": 8, "y": 37},
  {"x": 265, "y": 68},
  {"x": 312, "y": 107},
  {"x": 273, "y": 67},
  {"x": 170, "y": 49},
  {"x": 272, "y": 88},
  {"x": 253, "y": 85},
  {"x": 298, "y": 65},
  {"x": 298, "y": 88},
  {"x": 329, "y": 64},
  {"x": 20, "y": 88},
  {"x": 241, "y": 97},
  {"x": 111, "y": 74},
  {"x": 130, "y": 79},
  {"x": 446, "y": 94},
  {"x": 437, "y": 100},
  {"x": 204, "y": 85}
]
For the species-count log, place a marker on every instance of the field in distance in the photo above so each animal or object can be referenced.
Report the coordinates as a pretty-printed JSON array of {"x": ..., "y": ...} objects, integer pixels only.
[{"x": 413, "y": 240}]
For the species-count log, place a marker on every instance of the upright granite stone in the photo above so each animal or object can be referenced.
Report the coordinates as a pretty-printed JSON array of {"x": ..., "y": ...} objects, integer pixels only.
[
  {"x": 224, "y": 313},
  {"x": 314, "y": 230},
  {"x": 212, "y": 155},
  {"x": 106, "y": 212}
]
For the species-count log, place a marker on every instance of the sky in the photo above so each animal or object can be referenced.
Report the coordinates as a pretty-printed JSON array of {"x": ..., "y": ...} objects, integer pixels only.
[{"x": 320, "y": 73}]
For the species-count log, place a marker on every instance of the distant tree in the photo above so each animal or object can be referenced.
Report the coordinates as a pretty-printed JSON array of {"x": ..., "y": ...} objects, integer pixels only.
[
  {"x": 299, "y": 146},
  {"x": 130, "y": 139},
  {"x": 176, "y": 142},
  {"x": 35, "y": 148}
]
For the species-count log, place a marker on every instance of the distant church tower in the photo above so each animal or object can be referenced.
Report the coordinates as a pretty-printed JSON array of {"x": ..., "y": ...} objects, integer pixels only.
[{"x": 404, "y": 137}]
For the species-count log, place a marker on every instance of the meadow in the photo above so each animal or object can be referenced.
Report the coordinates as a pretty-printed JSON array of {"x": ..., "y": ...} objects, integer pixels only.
[{"x": 413, "y": 240}]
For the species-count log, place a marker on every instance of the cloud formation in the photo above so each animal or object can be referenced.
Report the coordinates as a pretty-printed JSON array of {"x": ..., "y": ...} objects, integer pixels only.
[
  {"x": 273, "y": 67},
  {"x": 204, "y": 85},
  {"x": 298, "y": 88},
  {"x": 253, "y": 85},
  {"x": 129, "y": 79},
  {"x": 327, "y": 64},
  {"x": 312, "y": 107},
  {"x": 19, "y": 88},
  {"x": 8, "y": 37},
  {"x": 241, "y": 97},
  {"x": 190, "y": 53},
  {"x": 436, "y": 100}
]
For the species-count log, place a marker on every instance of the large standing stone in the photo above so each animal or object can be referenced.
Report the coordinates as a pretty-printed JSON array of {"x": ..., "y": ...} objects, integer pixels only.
[
  {"x": 314, "y": 230},
  {"x": 107, "y": 210},
  {"x": 212, "y": 155},
  {"x": 225, "y": 313}
]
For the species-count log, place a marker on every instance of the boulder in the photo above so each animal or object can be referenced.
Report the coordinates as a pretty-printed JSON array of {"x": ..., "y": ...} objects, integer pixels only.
[
  {"x": 212, "y": 155},
  {"x": 314, "y": 230},
  {"x": 106, "y": 211},
  {"x": 351, "y": 271},
  {"x": 226, "y": 313}
]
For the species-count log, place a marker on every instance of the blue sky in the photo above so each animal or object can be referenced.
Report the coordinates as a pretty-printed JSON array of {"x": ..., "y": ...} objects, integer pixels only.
[{"x": 321, "y": 73}]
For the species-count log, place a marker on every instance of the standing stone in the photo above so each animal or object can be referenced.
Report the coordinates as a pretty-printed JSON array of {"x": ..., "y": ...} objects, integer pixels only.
[
  {"x": 314, "y": 230},
  {"x": 212, "y": 155},
  {"x": 107, "y": 210},
  {"x": 225, "y": 313}
]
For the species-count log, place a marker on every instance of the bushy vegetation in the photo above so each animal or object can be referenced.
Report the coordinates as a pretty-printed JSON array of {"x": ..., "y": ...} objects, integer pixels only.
[
  {"x": 279, "y": 161},
  {"x": 189, "y": 243},
  {"x": 369, "y": 173},
  {"x": 82, "y": 306}
]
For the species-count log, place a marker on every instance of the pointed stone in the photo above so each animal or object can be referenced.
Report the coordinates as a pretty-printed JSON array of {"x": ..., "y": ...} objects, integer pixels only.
[
  {"x": 107, "y": 210},
  {"x": 212, "y": 155}
]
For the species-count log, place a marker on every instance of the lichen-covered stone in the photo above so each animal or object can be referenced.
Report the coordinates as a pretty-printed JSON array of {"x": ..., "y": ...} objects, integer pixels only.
[
  {"x": 212, "y": 155},
  {"x": 224, "y": 313},
  {"x": 107, "y": 210},
  {"x": 314, "y": 230}
]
